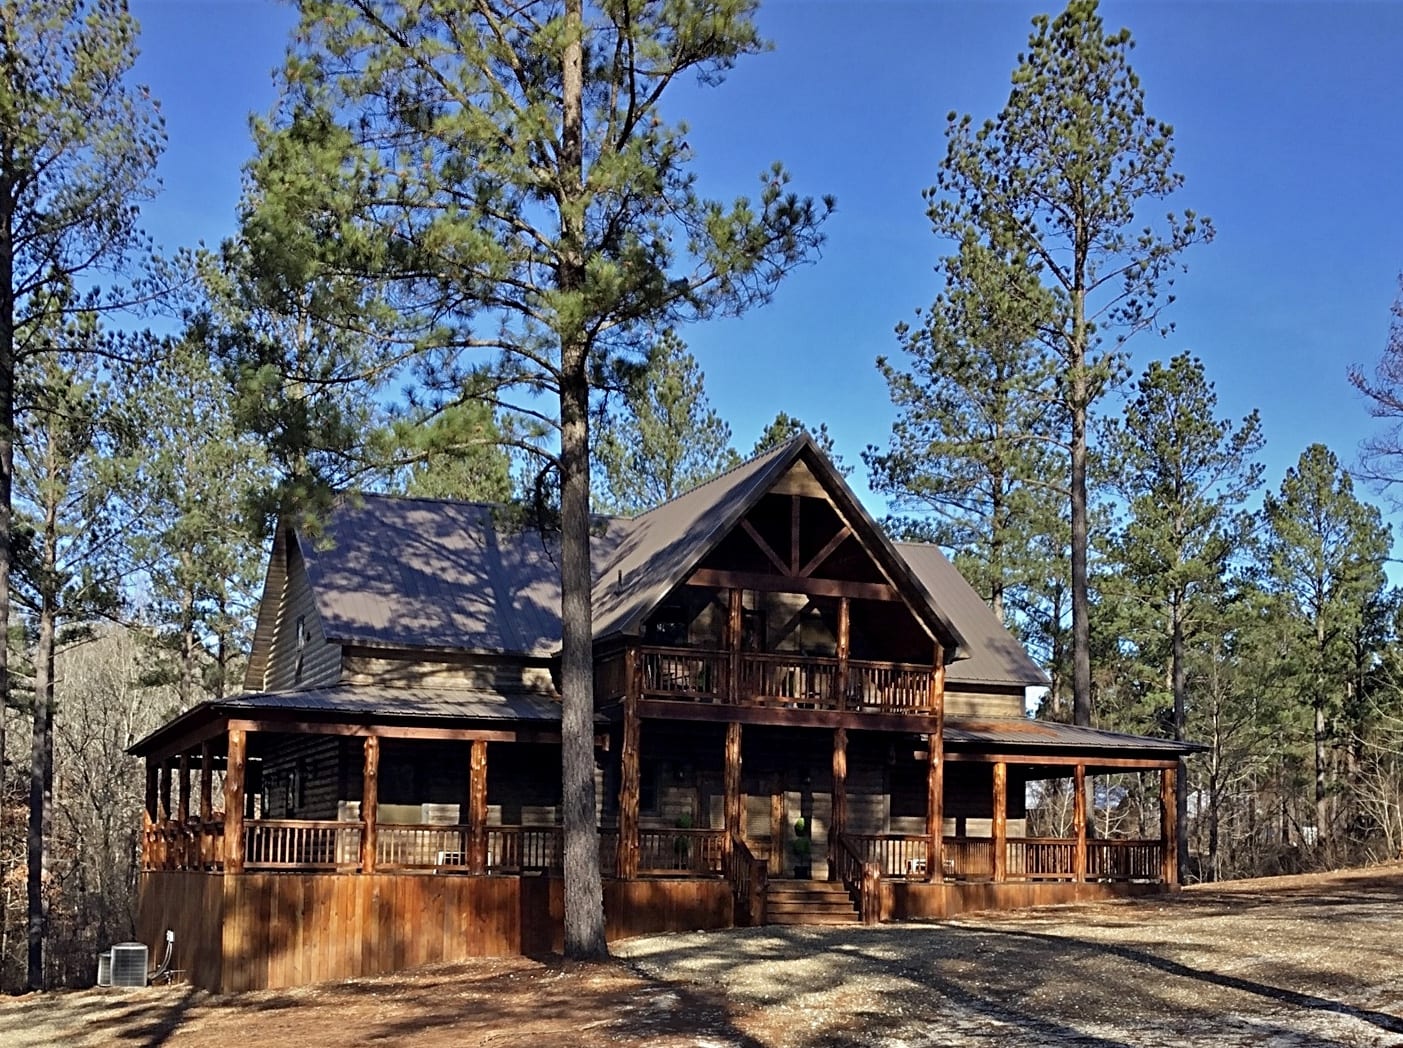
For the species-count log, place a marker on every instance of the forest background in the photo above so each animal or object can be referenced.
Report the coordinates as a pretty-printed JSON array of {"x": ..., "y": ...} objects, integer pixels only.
[{"x": 181, "y": 363}]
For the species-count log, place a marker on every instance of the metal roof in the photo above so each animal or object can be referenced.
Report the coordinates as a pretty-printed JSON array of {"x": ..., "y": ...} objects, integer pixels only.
[
  {"x": 1040, "y": 734},
  {"x": 455, "y": 576},
  {"x": 995, "y": 655},
  {"x": 352, "y": 700}
]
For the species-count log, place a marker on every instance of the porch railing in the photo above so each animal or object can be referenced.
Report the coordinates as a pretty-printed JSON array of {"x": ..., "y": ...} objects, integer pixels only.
[
  {"x": 689, "y": 851},
  {"x": 749, "y": 881},
  {"x": 312, "y": 845},
  {"x": 1123, "y": 860},
  {"x": 783, "y": 679},
  {"x": 193, "y": 845},
  {"x": 862, "y": 878},
  {"x": 301, "y": 844},
  {"x": 895, "y": 854}
]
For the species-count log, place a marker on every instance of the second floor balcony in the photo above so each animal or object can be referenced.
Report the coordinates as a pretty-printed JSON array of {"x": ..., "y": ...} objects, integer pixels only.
[{"x": 771, "y": 679}]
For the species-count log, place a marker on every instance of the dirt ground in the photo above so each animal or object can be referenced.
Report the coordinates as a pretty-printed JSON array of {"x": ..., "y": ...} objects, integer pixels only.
[{"x": 1286, "y": 963}]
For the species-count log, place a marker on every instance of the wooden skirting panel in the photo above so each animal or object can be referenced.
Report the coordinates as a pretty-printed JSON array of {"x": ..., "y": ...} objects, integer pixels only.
[
  {"x": 193, "y": 905},
  {"x": 903, "y": 900},
  {"x": 274, "y": 930}
]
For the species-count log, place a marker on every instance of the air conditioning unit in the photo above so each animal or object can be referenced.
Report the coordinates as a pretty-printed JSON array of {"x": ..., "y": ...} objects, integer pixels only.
[
  {"x": 104, "y": 968},
  {"x": 130, "y": 964}
]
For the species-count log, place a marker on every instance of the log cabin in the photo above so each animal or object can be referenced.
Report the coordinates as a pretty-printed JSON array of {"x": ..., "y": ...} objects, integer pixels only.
[{"x": 797, "y": 720}]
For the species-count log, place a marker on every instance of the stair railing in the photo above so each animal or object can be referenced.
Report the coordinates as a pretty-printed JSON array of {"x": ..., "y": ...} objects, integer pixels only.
[
  {"x": 750, "y": 879},
  {"x": 862, "y": 879}
]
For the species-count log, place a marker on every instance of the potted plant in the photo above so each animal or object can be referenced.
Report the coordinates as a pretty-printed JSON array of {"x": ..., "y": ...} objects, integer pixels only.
[{"x": 802, "y": 847}]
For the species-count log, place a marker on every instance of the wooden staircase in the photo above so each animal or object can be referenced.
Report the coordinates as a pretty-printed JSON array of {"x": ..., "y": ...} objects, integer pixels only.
[{"x": 809, "y": 902}]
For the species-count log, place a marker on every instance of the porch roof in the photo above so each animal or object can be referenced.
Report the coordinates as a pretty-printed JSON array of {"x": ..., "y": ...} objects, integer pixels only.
[
  {"x": 364, "y": 704},
  {"x": 1040, "y": 736}
]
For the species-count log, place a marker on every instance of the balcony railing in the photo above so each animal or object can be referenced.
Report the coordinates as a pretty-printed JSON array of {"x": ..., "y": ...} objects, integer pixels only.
[{"x": 785, "y": 680}]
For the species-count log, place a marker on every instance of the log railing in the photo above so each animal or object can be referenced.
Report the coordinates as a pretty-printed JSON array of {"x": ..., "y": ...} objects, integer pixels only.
[
  {"x": 895, "y": 854},
  {"x": 1041, "y": 859},
  {"x": 1123, "y": 860},
  {"x": 968, "y": 858},
  {"x": 749, "y": 881},
  {"x": 681, "y": 851},
  {"x": 193, "y": 845},
  {"x": 889, "y": 687},
  {"x": 778, "y": 679},
  {"x": 518, "y": 849},
  {"x": 863, "y": 879},
  {"x": 694, "y": 674},
  {"x": 791, "y": 680}
]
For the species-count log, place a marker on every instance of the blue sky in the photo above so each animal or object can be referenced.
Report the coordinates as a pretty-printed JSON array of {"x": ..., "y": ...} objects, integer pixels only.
[{"x": 1289, "y": 128}]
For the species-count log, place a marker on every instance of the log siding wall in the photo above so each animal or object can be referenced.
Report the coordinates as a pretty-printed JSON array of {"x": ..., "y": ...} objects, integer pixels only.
[{"x": 321, "y": 660}]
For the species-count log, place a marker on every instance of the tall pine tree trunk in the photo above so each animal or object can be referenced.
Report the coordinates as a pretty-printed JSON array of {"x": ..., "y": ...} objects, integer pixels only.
[
  {"x": 41, "y": 771},
  {"x": 7, "y": 417},
  {"x": 1181, "y": 724},
  {"x": 584, "y": 889},
  {"x": 1081, "y": 606}
]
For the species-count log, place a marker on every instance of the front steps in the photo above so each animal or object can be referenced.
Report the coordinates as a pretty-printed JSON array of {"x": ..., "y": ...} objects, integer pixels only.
[{"x": 809, "y": 902}]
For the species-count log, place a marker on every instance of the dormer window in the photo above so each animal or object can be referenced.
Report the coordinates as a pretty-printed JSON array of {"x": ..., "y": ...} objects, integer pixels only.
[{"x": 300, "y": 647}]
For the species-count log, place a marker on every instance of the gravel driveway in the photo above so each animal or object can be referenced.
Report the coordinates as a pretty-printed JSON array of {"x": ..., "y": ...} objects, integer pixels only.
[
  {"x": 1308, "y": 962},
  {"x": 1318, "y": 964}
]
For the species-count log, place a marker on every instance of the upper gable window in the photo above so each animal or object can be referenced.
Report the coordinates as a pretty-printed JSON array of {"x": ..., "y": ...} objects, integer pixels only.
[
  {"x": 668, "y": 626},
  {"x": 300, "y": 647}
]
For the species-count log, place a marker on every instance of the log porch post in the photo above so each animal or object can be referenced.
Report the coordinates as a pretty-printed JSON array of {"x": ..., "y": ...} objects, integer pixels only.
[
  {"x": 731, "y": 781},
  {"x": 935, "y": 774},
  {"x": 182, "y": 805},
  {"x": 206, "y": 782},
  {"x": 163, "y": 809},
  {"x": 234, "y": 769},
  {"x": 370, "y": 802},
  {"x": 629, "y": 785},
  {"x": 844, "y": 646},
  {"x": 477, "y": 806},
  {"x": 734, "y": 628},
  {"x": 1168, "y": 836},
  {"x": 838, "y": 823},
  {"x": 148, "y": 816},
  {"x": 1079, "y": 819},
  {"x": 1000, "y": 833}
]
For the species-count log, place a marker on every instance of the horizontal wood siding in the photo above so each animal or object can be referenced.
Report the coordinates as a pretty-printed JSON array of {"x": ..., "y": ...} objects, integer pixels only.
[
  {"x": 468, "y": 672},
  {"x": 992, "y": 703},
  {"x": 191, "y": 905},
  {"x": 321, "y": 660}
]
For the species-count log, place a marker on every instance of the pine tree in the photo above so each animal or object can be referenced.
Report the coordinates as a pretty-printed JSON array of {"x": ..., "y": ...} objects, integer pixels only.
[
  {"x": 1064, "y": 177},
  {"x": 974, "y": 451},
  {"x": 505, "y": 182},
  {"x": 785, "y": 427},
  {"x": 664, "y": 437},
  {"x": 1326, "y": 551},
  {"x": 69, "y": 555},
  {"x": 1184, "y": 476},
  {"x": 78, "y": 149},
  {"x": 195, "y": 474}
]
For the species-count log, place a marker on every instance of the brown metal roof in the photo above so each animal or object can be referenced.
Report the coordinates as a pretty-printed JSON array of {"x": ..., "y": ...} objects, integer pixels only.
[
  {"x": 361, "y": 701},
  {"x": 437, "y": 574},
  {"x": 994, "y": 654},
  {"x": 1022, "y": 733}
]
